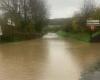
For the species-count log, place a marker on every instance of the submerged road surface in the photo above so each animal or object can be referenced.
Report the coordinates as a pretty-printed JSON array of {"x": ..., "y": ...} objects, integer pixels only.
[{"x": 47, "y": 59}]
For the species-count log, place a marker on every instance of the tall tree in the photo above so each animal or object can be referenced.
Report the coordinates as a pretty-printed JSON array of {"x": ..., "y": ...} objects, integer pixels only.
[
  {"x": 88, "y": 8},
  {"x": 27, "y": 15}
]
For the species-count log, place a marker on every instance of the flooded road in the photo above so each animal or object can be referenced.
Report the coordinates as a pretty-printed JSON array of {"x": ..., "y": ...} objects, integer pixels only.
[{"x": 47, "y": 59}]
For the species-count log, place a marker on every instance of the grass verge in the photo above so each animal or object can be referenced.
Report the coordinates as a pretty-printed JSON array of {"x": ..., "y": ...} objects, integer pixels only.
[{"x": 79, "y": 36}]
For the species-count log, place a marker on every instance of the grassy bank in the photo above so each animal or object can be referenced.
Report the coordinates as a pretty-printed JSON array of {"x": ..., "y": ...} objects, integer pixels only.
[{"x": 79, "y": 36}]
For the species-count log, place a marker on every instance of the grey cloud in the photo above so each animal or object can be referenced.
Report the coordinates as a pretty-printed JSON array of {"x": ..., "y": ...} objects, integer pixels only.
[{"x": 64, "y": 8}]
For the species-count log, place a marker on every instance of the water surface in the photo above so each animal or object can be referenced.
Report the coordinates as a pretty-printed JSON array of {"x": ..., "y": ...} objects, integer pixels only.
[{"x": 47, "y": 59}]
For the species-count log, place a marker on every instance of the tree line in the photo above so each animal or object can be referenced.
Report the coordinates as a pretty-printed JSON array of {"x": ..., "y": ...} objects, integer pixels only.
[
  {"x": 77, "y": 23},
  {"x": 23, "y": 18}
]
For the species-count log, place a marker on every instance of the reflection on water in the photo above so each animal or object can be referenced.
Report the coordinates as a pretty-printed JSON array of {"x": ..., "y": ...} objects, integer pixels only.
[
  {"x": 46, "y": 59},
  {"x": 22, "y": 61},
  {"x": 50, "y": 36}
]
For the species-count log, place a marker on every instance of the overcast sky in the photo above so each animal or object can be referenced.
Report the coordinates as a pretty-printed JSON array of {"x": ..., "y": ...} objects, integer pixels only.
[{"x": 64, "y": 8}]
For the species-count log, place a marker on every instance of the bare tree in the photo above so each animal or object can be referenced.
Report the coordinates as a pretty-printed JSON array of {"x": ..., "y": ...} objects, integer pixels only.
[
  {"x": 88, "y": 8},
  {"x": 27, "y": 15}
]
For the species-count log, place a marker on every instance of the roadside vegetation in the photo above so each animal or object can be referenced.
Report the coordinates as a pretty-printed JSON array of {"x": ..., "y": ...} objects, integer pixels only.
[
  {"x": 28, "y": 19},
  {"x": 22, "y": 19},
  {"x": 79, "y": 36},
  {"x": 76, "y": 26}
]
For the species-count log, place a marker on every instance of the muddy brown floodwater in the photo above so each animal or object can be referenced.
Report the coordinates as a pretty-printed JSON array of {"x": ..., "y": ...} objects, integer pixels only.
[{"x": 46, "y": 59}]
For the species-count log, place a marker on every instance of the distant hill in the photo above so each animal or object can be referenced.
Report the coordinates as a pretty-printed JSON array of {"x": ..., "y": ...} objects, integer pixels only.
[{"x": 58, "y": 21}]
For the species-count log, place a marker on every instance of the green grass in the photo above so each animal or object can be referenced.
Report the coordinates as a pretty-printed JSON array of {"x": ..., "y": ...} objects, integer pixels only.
[{"x": 79, "y": 36}]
